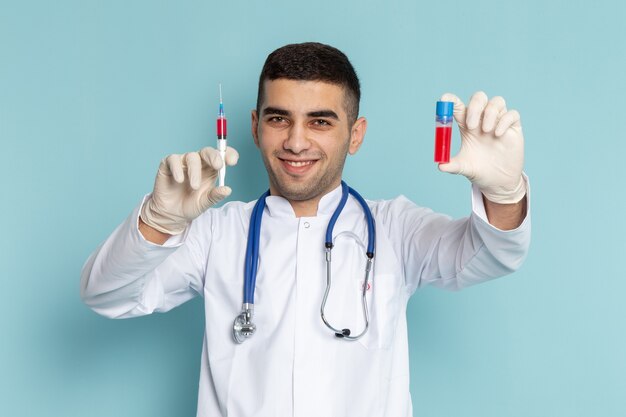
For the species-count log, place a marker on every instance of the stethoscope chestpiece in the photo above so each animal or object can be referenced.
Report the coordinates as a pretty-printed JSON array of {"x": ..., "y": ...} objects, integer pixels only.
[{"x": 243, "y": 328}]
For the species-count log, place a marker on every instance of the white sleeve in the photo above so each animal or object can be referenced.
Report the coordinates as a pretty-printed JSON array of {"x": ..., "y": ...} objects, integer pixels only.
[
  {"x": 127, "y": 276},
  {"x": 453, "y": 254}
]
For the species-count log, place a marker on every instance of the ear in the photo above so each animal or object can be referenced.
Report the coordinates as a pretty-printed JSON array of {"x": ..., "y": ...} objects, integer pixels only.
[
  {"x": 254, "y": 125},
  {"x": 357, "y": 134}
]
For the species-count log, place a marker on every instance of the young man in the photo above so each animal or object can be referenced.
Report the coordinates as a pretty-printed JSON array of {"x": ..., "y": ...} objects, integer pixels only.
[{"x": 174, "y": 247}]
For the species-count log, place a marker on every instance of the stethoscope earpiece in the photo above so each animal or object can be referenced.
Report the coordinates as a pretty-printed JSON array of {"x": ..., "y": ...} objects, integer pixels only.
[{"x": 344, "y": 333}]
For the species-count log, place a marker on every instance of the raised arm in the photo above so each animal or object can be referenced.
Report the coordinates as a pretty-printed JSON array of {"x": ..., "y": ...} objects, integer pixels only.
[{"x": 149, "y": 263}]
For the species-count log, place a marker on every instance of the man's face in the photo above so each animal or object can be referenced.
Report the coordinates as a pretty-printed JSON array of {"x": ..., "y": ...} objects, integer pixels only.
[{"x": 304, "y": 135}]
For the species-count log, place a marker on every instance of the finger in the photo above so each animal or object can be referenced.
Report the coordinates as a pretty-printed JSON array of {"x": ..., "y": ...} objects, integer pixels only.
[
  {"x": 194, "y": 169},
  {"x": 232, "y": 156},
  {"x": 475, "y": 109},
  {"x": 452, "y": 167},
  {"x": 495, "y": 108},
  {"x": 217, "y": 194},
  {"x": 164, "y": 168},
  {"x": 175, "y": 166},
  {"x": 211, "y": 157},
  {"x": 510, "y": 119},
  {"x": 459, "y": 108}
]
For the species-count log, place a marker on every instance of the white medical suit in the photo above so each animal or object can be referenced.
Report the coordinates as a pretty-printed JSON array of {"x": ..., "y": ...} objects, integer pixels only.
[{"x": 293, "y": 365}]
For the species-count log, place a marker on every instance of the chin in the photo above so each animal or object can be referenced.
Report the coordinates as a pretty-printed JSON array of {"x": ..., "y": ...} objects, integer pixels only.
[{"x": 298, "y": 191}]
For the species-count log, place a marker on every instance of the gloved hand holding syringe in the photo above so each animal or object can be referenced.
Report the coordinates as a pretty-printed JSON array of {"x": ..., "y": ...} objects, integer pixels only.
[{"x": 187, "y": 185}]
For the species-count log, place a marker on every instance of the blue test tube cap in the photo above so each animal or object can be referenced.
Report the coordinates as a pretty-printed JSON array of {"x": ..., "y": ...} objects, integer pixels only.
[{"x": 445, "y": 108}]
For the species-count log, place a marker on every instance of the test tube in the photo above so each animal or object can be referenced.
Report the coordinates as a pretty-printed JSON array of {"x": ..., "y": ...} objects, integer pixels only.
[{"x": 443, "y": 131}]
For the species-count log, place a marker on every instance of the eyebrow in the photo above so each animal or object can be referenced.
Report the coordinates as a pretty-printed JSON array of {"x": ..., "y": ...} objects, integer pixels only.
[
  {"x": 318, "y": 113},
  {"x": 324, "y": 113},
  {"x": 275, "y": 110}
]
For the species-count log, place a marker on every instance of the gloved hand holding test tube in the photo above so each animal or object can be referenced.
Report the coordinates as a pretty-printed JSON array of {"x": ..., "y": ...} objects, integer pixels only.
[{"x": 492, "y": 145}]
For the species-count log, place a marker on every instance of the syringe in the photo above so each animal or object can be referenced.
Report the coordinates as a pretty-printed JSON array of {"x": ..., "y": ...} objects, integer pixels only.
[{"x": 221, "y": 139}]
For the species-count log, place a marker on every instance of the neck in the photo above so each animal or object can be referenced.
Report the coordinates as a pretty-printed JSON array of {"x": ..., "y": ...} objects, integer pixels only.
[{"x": 306, "y": 208}]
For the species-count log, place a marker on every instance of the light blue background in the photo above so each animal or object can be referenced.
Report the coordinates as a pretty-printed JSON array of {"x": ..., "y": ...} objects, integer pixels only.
[{"x": 93, "y": 94}]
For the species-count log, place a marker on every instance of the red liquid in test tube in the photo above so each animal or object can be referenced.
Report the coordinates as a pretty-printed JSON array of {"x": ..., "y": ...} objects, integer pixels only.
[
  {"x": 443, "y": 136},
  {"x": 443, "y": 131}
]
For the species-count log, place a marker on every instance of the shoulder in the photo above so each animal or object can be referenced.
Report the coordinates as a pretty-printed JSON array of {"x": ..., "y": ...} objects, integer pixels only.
[
  {"x": 396, "y": 206},
  {"x": 232, "y": 214},
  {"x": 402, "y": 214},
  {"x": 233, "y": 208}
]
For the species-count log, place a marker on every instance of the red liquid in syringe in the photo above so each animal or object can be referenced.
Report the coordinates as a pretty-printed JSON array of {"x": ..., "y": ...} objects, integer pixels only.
[
  {"x": 222, "y": 125},
  {"x": 443, "y": 135}
]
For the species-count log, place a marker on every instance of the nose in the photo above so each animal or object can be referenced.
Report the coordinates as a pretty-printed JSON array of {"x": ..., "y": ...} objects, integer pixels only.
[{"x": 297, "y": 141}]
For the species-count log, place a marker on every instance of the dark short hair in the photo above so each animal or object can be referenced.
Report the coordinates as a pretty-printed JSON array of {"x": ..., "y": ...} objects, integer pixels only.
[{"x": 312, "y": 61}]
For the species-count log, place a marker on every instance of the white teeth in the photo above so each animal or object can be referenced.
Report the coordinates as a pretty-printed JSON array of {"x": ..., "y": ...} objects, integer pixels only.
[{"x": 299, "y": 163}]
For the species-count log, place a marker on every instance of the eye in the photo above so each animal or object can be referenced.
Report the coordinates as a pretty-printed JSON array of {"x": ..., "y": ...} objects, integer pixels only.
[
  {"x": 321, "y": 122},
  {"x": 275, "y": 119}
]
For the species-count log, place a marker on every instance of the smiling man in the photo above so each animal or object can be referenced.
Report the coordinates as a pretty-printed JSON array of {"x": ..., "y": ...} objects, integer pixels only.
[
  {"x": 284, "y": 356},
  {"x": 304, "y": 132}
]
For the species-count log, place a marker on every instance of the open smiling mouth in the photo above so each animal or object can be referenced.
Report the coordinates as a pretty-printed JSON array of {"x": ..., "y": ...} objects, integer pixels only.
[
  {"x": 298, "y": 163},
  {"x": 297, "y": 167}
]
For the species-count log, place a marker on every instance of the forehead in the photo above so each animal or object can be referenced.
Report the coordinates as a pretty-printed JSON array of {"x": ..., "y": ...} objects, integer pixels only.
[{"x": 303, "y": 96}]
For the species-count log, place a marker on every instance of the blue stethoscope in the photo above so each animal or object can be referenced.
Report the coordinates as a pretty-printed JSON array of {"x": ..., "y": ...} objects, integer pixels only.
[{"x": 243, "y": 327}]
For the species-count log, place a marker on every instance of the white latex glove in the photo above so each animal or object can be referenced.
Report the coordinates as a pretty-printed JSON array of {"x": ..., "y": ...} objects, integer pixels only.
[
  {"x": 184, "y": 188},
  {"x": 492, "y": 147}
]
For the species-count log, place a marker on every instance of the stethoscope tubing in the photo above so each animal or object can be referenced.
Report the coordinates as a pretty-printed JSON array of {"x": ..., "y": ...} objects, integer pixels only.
[
  {"x": 252, "y": 250},
  {"x": 243, "y": 326},
  {"x": 371, "y": 229}
]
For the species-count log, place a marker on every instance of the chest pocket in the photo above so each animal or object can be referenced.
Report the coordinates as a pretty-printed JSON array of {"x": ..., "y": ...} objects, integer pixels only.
[
  {"x": 344, "y": 308},
  {"x": 383, "y": 304}
]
